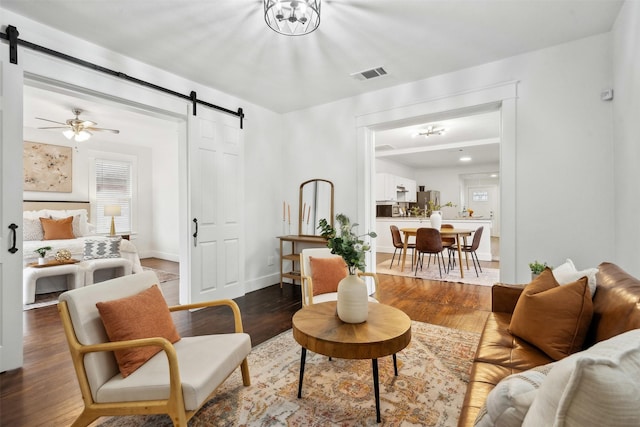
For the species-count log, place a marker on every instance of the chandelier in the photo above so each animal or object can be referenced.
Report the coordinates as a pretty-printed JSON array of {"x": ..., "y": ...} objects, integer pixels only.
[
  {"x": 430, "y": 131},
  {"x": 292, "y": 17}
]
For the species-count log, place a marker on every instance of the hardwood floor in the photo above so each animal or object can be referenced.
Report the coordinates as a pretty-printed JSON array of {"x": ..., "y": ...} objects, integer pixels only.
[{"x": 45, "y": 391}]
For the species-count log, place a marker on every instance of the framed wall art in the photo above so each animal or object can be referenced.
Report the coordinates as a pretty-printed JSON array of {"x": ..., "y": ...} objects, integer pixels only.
[{"x": 47, "y": 167}]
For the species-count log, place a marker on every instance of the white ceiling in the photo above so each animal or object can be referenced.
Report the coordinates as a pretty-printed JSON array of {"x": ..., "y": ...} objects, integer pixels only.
[
  {"x": 226, "y": 44},
  {"x": 476, "y": 136},
  {"x": 137, "y": 127}
]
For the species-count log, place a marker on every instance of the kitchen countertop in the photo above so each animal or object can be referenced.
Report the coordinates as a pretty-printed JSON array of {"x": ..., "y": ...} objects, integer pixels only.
[{"x": 413, "y": 218}]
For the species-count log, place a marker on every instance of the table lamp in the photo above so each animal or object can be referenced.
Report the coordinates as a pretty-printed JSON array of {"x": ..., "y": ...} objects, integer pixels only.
[{"x": 112, "y": 211}]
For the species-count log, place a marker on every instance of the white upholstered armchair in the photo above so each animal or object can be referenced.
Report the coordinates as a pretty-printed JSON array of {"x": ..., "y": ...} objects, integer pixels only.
[{"x": 177, "y": 380}]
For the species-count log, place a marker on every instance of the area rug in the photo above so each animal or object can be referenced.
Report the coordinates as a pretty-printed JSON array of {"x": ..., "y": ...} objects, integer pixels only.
[
  {"x": 45, "y": 300},
  {"x": 487, "y": 277},
  {"x": 163, "y": 276},
  {"x": 433, "y": 373}
]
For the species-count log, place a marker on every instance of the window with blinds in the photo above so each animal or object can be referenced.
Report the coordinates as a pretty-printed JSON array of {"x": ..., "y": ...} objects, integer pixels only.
[{"x": 113, "y": 187}]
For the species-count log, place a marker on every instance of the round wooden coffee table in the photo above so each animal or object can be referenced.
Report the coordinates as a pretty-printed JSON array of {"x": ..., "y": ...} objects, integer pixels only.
[{"x": 317, "y": 328}]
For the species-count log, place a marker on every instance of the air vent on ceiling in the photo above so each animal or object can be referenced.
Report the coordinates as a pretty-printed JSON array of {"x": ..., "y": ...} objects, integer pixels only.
[
  {"x": 385, "y": 147},
  {"x": 369, "y": 74}
]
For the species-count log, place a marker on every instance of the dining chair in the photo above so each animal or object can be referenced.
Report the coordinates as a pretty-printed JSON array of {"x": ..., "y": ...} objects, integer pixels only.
[
  {"x": 320, "y": 284},
  {"x": 399, "y": 244},
  {"x": 448, "y": 241},
  {"x": 472, "y": 248},
  {"x": 429, "y": 241}
]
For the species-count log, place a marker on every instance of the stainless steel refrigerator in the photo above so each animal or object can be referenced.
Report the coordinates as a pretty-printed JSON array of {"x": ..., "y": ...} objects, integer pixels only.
[{"x": 425, "y": 196}]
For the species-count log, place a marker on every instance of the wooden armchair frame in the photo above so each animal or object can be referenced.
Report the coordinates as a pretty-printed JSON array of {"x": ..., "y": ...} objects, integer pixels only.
[{"x": 174, "y": 405}]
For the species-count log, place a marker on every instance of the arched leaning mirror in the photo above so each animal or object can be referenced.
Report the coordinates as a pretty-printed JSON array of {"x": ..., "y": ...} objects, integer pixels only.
[{"x": 316, "y": 203}]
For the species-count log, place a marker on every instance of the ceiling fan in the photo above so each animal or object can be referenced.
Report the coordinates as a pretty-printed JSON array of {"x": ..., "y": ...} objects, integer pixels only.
[{"x": 77, "y": 129}]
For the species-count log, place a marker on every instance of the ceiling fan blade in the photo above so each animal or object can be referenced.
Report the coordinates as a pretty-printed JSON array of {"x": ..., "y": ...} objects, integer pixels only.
[
  {"x": 55, "y": 127},
  {"x": 116, "y": 131},
  {"x": 52, "y": 121}
]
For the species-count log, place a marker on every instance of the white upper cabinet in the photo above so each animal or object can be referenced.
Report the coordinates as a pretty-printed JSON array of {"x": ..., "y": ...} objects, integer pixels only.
[
  {"x": 393, "y": 188},
  {"x": 386, "y": 187}
]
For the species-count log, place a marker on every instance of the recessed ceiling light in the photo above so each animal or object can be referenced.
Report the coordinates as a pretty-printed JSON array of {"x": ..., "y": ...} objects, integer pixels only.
[
  {"x": 465, "y": 159},
  {"x": 494, "y": 175}
]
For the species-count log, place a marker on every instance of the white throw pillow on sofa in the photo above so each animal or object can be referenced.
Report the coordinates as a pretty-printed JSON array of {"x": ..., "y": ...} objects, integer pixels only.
[
  {"x": 599, "y": 386},
  {"x": 508, "y": 403},
  {"x": 568, "y": 273}
]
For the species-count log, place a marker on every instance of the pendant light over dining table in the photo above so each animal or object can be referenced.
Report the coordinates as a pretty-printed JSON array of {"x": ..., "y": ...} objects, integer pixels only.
[{"x": 292, "y": 17}]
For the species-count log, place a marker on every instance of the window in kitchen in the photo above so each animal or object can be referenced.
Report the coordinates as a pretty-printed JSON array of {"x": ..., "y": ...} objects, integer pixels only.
[{"x": 480, "y": 196}]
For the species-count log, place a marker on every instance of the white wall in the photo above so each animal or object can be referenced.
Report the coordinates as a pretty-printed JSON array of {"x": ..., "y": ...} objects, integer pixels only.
[
  {"x": 626, "y": 111},
  {"x": 394, "y": 168},
  {"x": 563, "y": 154}
]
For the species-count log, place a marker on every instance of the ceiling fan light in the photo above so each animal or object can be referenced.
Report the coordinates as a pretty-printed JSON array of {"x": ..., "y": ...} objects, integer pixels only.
[
  {"x": 68, "y": 133},
  {"x": 82, "y": 136}
]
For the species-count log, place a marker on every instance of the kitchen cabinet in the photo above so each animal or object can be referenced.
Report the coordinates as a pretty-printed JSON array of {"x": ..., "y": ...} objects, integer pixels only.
[
  {"x": 393, "y": 188},
  {"x": 386, "y": 187}
]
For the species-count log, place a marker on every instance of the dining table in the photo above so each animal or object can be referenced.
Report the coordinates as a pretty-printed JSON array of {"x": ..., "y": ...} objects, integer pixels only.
[{"x": 460, "y": 234}]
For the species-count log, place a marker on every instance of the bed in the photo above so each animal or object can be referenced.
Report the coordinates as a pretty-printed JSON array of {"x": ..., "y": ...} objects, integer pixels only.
[{"x": 83, "y": 233}]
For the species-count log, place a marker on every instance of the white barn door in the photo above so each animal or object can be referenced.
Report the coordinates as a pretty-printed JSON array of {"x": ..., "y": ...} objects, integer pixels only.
[
  {"x": 216, "y": 191},
  {"x": 11, "y": 143}
]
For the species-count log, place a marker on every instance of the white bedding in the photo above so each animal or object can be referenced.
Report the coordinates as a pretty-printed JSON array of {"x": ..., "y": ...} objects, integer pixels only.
[{"x": 76, "y": 247}]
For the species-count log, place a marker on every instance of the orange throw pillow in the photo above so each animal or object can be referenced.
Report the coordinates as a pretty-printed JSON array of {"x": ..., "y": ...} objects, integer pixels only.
[
  {"x": 326, "y": 273},
  {"x": 554, "y": 318},
  {"x": 144, "y": 315},
  {"x": 57, "y": 229}
]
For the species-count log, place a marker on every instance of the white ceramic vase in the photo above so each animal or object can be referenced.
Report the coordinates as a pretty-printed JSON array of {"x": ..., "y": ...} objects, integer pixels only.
[
  {"x": 353, "y": 300},
  {"x": 436, "y": 219},
  {"x": 41, "y": 261}
]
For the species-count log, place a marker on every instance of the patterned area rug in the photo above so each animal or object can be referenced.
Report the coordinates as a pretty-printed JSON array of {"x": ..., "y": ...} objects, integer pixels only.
[
  {"x": 433, "y": 373},
  {"x": 487, "y": 277},
  {"x": 45, "y": 300}
]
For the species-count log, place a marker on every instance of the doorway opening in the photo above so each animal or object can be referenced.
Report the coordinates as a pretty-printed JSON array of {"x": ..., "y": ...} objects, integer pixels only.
[
  {"x": 500, "y": 98},
  {"x": 149, "y": 140}
]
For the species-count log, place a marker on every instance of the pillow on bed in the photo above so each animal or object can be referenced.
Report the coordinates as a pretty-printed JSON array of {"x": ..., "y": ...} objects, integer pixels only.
[
  {"x": 84, "y": 220},
  {"x": 57, "y": 229},
  {"x": 35, "y": 214},
  {"x": 75, "y": 224},
  {"x": 102, "y": 248},
  {"x": 80, "y": 219},
  {"x": 32, "y": 229}
]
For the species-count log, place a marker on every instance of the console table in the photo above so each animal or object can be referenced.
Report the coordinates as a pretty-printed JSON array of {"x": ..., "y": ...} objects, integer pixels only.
[{"x": 293, "y": 255}]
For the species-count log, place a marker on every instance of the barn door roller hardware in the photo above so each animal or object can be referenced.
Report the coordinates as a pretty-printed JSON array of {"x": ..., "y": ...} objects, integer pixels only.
[{"x": 11, "y": 35}]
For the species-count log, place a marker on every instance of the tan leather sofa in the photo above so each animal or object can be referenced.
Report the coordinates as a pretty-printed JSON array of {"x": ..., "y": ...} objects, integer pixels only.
[{"x": 616, "y": 309}]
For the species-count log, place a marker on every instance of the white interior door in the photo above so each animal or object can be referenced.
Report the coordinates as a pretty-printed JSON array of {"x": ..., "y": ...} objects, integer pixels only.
[
  {"x": 11, "y": 143},
  {"x": 483, "y": 200},
  {"x": 216, "y": 190}
]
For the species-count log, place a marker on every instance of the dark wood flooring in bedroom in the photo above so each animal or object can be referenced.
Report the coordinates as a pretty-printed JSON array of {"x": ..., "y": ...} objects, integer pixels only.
[{"x": 44, "y": 392}]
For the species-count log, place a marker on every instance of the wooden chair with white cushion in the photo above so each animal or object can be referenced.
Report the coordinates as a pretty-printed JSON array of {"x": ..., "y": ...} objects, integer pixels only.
[
  {"x": 326, "y": 288},
  {"x": 177, "y": 380}
]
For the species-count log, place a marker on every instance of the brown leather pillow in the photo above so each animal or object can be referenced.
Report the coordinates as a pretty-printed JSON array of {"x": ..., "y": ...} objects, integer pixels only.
[
  {"x": 144, "y": 315},
  {"x": 554, "y": 318},
  {"x": 57, "y": 229},
  {"x": 326, "y": 273}
]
